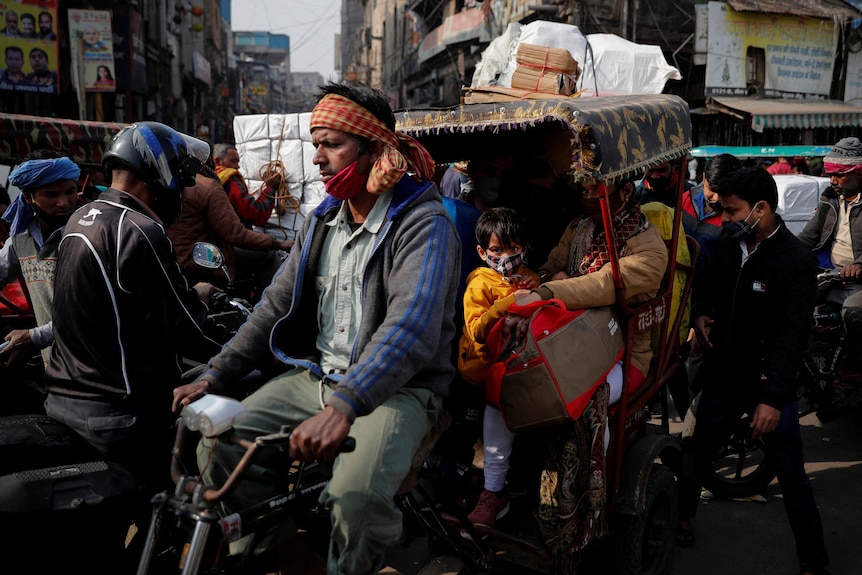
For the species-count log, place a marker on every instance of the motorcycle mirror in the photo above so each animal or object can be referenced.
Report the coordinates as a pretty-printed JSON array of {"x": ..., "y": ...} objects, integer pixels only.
[{"x": 207, "y": 255}]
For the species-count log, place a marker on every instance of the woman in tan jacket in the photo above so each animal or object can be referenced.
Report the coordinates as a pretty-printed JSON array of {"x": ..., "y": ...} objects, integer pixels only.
[{"x": 578, "y": 271}]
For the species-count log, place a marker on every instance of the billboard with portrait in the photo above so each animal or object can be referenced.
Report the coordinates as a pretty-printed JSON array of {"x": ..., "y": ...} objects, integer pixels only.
[
  {"x": 91, "y": 38},
  {"x": 29, "y": 57}
]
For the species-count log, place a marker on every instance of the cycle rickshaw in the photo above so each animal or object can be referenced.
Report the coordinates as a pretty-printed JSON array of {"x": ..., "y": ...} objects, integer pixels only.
[{"x": 606, "y": 139}]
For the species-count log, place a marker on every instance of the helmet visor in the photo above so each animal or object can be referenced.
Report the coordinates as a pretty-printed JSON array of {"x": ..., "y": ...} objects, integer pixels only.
[{"x": 197, "y": 148}]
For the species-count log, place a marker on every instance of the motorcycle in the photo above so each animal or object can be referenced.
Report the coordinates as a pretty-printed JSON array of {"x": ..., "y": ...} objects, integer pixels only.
[
  {"x": 52, "y": 483},
  {"x": 825, "y": 354},
  {"x": 61, "y": 502}
]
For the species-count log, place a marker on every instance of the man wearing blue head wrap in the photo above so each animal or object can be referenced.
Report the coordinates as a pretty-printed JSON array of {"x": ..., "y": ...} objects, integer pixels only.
[{"x": 37, "y": 218}]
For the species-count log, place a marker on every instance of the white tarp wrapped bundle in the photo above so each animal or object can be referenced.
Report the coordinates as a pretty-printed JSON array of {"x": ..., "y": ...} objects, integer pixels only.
[
  {"x": 265, "y": 138},
  {"x": 610, "y": 65},
  {"x": 798, "y": 198}
]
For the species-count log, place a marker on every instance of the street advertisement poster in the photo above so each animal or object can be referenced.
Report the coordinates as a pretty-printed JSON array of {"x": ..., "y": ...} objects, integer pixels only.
[
  {"x": 796, "y": 54},
  {"x": 28, "y": 41},
  {"x": 91, "y": 39}
]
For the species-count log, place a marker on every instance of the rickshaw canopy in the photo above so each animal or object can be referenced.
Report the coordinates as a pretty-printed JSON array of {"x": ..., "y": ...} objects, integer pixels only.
[{"x": 607, "y": 138}]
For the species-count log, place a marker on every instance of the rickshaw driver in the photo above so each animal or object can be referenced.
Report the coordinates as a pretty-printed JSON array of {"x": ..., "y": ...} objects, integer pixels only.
[
  {"x": 364, "y": 314},
  {"x": 579, "y": 273}
]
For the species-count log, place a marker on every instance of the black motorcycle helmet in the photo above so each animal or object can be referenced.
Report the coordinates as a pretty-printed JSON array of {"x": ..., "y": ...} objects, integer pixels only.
[{"x": 165, "y": 159}]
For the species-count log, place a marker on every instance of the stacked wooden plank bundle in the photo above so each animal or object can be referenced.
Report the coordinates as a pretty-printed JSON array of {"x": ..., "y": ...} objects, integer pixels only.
[
  {"x": 545, "y": 69},
  {"x": 542, "y": 72}
]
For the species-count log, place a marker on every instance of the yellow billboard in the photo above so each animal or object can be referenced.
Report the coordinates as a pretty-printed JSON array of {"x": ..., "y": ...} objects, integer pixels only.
[
  {"x": 28, "y": 44},
  {"x": 769, "y": 54}
]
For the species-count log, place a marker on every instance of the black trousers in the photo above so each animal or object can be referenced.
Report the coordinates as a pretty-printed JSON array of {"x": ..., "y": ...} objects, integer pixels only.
[{"x": 716, "y": 418}]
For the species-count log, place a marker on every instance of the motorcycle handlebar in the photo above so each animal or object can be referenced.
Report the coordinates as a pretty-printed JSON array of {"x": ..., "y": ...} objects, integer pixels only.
[
  {"x": 221, "y": 301},
  {"x": 832, "y": 278}
]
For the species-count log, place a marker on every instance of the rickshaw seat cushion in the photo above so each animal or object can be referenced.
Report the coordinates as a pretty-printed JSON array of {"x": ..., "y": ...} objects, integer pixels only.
[
  {"x": 550, "y": 361},
  {"x": 661, "y": 216}
]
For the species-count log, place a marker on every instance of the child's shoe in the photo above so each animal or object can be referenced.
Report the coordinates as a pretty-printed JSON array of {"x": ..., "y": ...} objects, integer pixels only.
[{"x": 491, "y": 506}]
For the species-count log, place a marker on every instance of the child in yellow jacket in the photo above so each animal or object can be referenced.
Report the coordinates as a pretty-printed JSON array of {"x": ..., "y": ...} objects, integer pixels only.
[{"x": 501, "y": 234}]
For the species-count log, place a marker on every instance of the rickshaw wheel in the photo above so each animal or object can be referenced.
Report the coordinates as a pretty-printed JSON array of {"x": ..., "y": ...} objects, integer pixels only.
[{"x": 644, "y": 541}]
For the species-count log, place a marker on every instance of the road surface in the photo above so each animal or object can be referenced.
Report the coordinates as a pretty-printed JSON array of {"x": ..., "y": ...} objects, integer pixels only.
[{"x": 751, "y": 538}]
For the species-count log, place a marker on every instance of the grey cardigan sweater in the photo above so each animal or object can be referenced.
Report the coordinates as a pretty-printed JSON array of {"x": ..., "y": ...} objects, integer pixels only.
[{"x": 408, "y": 307}]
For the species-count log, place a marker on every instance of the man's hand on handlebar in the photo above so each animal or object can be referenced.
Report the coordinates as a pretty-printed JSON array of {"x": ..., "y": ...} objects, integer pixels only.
[
  {"x": 185, "y": 394},
  {"x": 852, "y": 272},
  {"x": 319, "y": 437},
  {"x": 205, "y": 291},
  {"x": 19, "y": 343}
]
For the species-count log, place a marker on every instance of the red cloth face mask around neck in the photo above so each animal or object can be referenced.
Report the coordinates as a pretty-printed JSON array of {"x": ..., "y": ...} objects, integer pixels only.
[{"x": 347, "y": 183}]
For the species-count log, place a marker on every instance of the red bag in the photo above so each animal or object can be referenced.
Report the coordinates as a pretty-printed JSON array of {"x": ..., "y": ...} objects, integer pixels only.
[{"x": 550, "y": 361}]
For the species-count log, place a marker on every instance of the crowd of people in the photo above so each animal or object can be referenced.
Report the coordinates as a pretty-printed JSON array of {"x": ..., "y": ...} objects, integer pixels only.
[{"x": 384, "y": 305}]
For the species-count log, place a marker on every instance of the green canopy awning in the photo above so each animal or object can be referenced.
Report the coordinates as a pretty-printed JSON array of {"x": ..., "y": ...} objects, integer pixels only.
[{"x": 761, "y": 151}]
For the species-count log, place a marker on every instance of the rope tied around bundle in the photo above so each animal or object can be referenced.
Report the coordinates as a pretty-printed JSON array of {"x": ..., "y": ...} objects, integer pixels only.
[{"x": 285, "y": 202}]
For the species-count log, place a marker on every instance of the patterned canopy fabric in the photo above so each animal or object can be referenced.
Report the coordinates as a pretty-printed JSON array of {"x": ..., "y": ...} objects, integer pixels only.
[{"x": 608, "y": 138}]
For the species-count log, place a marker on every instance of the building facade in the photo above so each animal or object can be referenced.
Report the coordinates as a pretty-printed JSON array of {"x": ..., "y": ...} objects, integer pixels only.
[{"x": 423, "y": 53}]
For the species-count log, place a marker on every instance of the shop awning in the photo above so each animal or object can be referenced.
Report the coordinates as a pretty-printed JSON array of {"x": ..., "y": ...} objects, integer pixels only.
[
  {"x": 825, "y": 9},
  {"x": 776, "y": 113},
  {"x": 744, "y": 152}
]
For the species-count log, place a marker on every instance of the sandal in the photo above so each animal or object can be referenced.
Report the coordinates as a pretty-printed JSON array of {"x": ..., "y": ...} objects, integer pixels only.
[{"x": 684, "y": 534}]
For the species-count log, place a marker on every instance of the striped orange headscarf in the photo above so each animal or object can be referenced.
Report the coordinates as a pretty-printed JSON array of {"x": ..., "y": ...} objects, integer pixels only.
[{"x": 400, "y": 151}]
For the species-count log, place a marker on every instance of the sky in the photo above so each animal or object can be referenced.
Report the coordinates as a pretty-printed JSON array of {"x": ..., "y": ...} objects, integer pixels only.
[{"x": 311, "y": 25}]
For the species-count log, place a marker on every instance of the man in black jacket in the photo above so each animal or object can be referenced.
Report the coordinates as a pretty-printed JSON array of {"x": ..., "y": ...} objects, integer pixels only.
[
  {"x": 123, "y": 311},
  {"x": 753, "y": 314}
]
